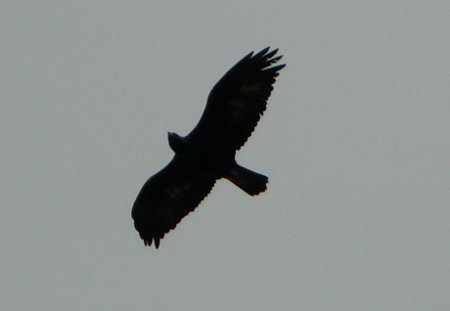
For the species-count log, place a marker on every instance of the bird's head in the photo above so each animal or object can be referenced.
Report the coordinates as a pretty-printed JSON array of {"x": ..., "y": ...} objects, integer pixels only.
[{"x": 175, "y": 141}]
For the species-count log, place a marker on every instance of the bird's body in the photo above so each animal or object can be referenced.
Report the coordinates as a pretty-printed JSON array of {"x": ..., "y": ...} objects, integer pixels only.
[{"x": 207, "y": 154}]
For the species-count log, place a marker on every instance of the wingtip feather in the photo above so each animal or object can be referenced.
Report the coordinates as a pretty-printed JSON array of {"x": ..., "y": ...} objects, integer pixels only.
[
  {"x": 270, "y": 54},
  {"x": 262, "y": 52}
]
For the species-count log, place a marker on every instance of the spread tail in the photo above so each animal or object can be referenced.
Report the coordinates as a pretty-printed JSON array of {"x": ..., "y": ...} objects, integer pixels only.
[{"x": 251, "y": 182}]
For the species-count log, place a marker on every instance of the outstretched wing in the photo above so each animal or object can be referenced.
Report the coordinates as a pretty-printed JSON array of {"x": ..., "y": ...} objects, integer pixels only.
[
  {"x": 167, "y": 197},
  {"x": 237, "y": 102}
]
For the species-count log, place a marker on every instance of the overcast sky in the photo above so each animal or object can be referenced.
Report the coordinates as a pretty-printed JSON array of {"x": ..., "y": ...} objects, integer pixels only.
[{"x": 355, "y": 140}]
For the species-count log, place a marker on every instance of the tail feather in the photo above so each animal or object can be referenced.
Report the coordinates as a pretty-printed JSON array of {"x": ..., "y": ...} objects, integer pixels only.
[{"x": 251, "y": 182}]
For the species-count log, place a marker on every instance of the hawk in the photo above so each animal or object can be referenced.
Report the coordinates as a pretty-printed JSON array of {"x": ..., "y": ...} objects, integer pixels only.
[{"x": 233, "y": 109}]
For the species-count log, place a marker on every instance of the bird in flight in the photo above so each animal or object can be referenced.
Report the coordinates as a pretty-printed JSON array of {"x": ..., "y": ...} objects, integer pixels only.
[{"x": 233, "y": 109}]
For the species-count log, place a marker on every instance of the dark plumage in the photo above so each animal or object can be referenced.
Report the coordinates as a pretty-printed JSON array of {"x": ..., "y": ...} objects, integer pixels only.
[{"x": 207, "y": 153}]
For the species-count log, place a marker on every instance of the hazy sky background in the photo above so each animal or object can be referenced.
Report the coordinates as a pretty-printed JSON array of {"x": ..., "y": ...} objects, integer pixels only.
[{"x": 355, "y": 140}]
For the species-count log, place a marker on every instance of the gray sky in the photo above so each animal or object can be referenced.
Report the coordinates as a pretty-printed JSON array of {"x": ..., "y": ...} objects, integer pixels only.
[{"x": 355, "y": 142}]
